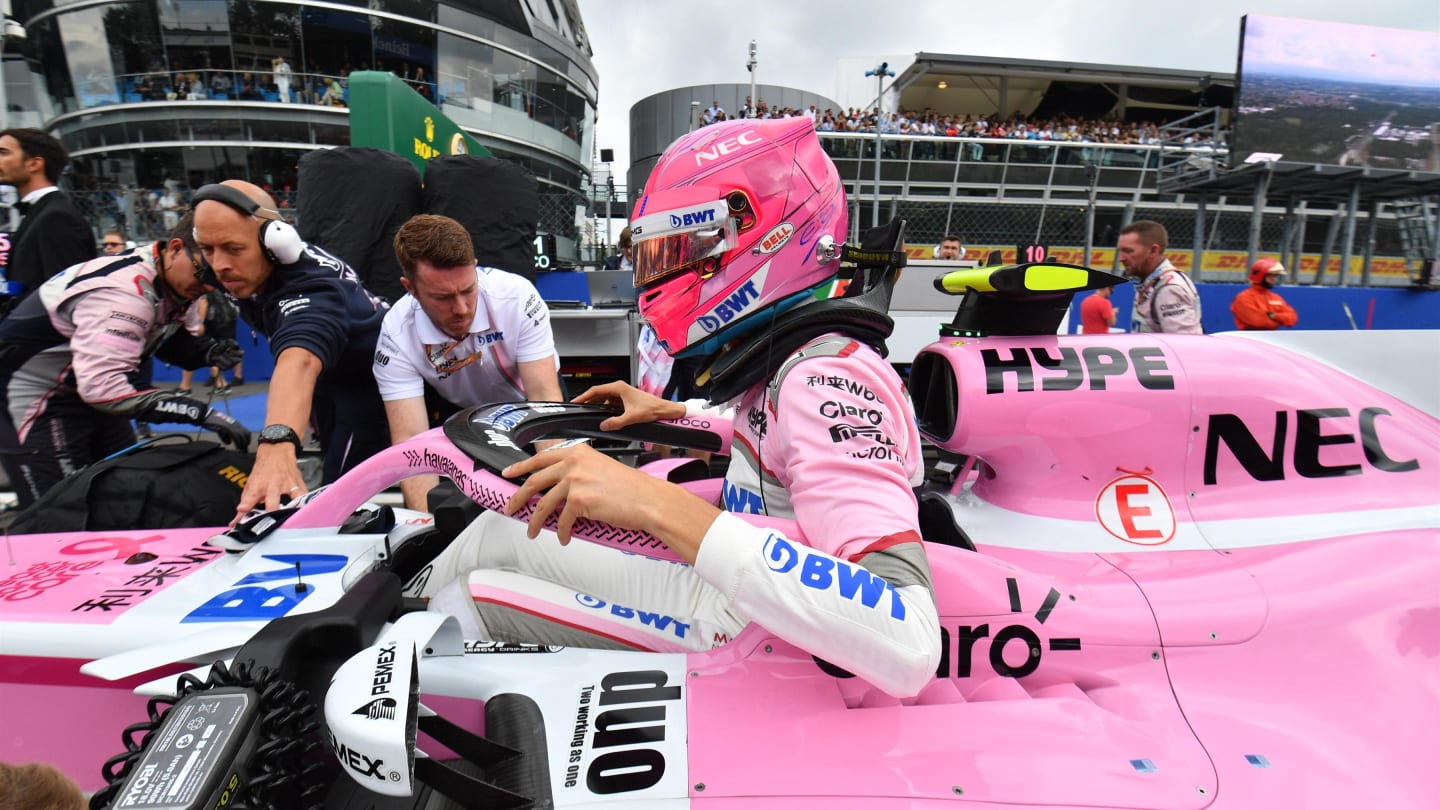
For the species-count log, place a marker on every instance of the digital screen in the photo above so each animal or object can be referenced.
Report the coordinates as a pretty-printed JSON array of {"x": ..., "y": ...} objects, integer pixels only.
[{"x": 1337, "y": 94}]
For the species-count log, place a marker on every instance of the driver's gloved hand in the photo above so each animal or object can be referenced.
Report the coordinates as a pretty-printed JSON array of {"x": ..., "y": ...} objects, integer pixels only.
[
  {"x": 228, "y": 429},
  {"x": 224, "y": 354}
]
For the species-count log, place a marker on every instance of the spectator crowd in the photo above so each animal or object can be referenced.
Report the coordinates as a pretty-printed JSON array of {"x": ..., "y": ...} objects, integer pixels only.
[
  {"x": 1016, "y": 126},
  {"x": 145, "y": 214},
  {"x": 278, "y": 82}
]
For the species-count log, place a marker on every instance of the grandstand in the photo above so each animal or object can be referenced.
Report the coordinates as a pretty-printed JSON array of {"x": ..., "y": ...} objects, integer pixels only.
[{"x": 1062, "y": 154}]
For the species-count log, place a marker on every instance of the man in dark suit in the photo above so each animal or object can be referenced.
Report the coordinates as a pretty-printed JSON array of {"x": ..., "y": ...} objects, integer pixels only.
[{"x": 52, "y": 234}]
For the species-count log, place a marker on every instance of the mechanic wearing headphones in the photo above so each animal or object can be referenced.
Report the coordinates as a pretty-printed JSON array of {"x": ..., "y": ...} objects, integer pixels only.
[
  {"x": 70, "y": 356},
  {"x": 322, "y": 325}
]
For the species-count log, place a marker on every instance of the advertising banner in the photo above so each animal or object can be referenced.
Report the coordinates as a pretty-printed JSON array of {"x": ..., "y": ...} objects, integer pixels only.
[{"x": 386, "y": 114}]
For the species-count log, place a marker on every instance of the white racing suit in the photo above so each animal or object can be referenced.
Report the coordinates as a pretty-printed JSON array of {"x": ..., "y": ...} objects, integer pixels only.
[{"x": 829, "y": 441}]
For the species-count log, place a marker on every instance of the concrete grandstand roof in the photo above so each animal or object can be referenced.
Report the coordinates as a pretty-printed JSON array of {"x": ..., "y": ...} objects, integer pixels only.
[
  {"x": 943, "y": 64},
  {"x": 979, "y": 85}
]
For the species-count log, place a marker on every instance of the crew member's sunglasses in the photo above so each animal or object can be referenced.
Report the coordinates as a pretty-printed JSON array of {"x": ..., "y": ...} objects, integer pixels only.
[
  {"x": 113, "y": 244},
  {"x": 204, "y": 273}
]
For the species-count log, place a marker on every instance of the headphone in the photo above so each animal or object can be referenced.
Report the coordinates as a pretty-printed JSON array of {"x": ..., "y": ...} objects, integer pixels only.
[{"x": 279, "y": 240}]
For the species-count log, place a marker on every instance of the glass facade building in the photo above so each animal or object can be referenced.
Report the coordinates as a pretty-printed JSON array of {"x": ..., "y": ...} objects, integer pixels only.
[{"x": 153, "y": 92}]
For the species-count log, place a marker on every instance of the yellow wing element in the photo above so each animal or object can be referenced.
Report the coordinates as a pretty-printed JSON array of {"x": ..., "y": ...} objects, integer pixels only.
[
  {"x": 1016, "y": 299},
  {"x": 1039, "y": 279}
]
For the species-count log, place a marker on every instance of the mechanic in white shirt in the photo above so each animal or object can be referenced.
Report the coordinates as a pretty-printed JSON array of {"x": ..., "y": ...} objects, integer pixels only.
[{"x": 473, "y": 334}]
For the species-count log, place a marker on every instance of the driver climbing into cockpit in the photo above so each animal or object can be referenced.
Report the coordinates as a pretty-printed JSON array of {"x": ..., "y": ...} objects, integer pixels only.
[{"x": 736, "y": 253}]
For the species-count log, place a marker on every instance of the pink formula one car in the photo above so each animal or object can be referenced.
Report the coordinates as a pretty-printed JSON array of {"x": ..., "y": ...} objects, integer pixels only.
[{"x": 1183, "y": 572}]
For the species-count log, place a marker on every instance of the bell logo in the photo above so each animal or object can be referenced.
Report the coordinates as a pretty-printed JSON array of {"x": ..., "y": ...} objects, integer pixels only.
[
  {"x": 776, "y": 238},
  {"x": 1135, "y": 508}
]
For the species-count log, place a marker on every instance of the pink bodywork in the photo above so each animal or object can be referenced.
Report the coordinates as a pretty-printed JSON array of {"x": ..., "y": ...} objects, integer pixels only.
[
  {"x": 1250, "y": 671},
  {"x": 1319, "y": 688},
  {"x": 95, "y": 577},
  {"x": 81, "y": 579},
  {"x": 1232, "y": 653},
  {"x": 1050, "y": 417}
]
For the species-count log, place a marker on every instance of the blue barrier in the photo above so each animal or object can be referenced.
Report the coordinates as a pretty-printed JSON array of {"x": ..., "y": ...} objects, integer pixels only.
[
  {"x": 1318, "y": 307},
  {"x": 259, "y": 365}
]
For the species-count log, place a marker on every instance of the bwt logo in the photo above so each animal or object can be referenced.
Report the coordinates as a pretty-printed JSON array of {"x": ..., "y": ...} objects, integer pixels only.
[
  {"x": 659, "y": 621},
  {"x": 692, "y": 218},
  {"x": 733, "y": 305},
  {"x": 505, "y": 418},
  {"x": 780, "y": 556},
  {"x": 739, "y": 499},
  {"x": 183, "y": 410},
  {"x": 824, "y": 573}
]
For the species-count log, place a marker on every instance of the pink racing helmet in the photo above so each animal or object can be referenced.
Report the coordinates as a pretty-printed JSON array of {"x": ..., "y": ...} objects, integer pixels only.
[{"x": 727, "y": 231}]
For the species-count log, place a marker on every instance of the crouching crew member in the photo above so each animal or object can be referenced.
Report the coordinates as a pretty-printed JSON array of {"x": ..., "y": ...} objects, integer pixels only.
[{"x": 70, "y": 358}]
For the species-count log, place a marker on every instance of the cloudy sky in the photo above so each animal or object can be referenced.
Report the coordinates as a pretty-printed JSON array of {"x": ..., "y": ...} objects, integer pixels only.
[
  {"x": 1338, "y": 51},
  {"x": 645, "y": 46}
]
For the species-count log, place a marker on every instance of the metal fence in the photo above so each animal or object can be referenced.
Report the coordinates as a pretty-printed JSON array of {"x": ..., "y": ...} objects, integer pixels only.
[
  {"x": 1008, "y": 192},
  {"x": 557, "y": 212},
  {"x": 978, "y": 217},
  {"x": 1063, "y": 224}
]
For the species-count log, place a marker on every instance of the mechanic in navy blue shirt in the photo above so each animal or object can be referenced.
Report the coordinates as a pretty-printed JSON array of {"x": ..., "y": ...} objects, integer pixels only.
[{"x": 322, "y": 325}]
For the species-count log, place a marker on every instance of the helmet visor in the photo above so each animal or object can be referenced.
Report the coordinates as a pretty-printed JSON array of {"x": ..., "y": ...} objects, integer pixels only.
[{"x": 671, "y": 241}]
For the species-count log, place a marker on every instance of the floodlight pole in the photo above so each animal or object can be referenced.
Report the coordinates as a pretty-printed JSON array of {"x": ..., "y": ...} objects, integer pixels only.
[
  {"x": 1092, "y": 179},
  {"x": 880, "y": 71},
  {"x": 609, "y": 203},
  {"x": 596, "y": 247},
  {"x": 750, "y": 66}
]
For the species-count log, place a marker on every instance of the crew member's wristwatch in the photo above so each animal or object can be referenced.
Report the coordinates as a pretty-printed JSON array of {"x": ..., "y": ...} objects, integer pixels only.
[{"x": 275, "y": 434}]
